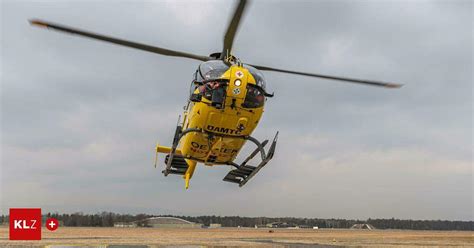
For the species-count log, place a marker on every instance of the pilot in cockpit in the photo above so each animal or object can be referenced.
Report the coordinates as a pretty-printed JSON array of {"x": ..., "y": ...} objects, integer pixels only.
[{"x": 213, "y": 91}]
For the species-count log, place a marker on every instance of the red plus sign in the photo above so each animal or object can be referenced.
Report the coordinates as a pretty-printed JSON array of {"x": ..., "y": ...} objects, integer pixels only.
[{"x": 52, "y": 224}]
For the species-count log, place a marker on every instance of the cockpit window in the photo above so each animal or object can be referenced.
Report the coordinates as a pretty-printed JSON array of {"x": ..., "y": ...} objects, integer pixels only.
[
  {"x": 259, "y": 78},
  {"x": 208, "y": 88},
  {"x": 211, "y": 70},
  {"x": 254, "y": 97}
]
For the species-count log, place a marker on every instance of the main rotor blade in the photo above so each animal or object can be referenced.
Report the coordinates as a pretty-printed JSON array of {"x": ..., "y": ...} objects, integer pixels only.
[
  {"x": 232, "y": 28},
  {"x": 126, "y": 43},
  {"x": 352, "y": 80}
]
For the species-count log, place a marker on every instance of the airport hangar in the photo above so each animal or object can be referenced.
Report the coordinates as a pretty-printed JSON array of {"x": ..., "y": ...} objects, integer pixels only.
[{"x": 161, "y": 222}]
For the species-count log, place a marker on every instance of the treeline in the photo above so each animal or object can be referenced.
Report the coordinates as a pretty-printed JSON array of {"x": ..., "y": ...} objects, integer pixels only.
[
  {"x": 107, "y": 219},
  {"x": 234, "y": 221},
  {"x": 421, "y": 224}
]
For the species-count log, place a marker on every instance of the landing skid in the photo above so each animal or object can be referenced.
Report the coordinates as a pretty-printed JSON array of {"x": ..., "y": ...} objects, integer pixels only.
[
  {"x": 243, "y": 172},
  {"x": 176, "y": 163}
]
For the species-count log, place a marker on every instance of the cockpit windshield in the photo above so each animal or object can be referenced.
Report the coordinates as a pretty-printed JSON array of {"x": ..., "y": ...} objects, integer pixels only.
[
  {"x": 214, "y": 69},
  {"x": 211, "y": 70},
  {"x": 259, "y": 78}
]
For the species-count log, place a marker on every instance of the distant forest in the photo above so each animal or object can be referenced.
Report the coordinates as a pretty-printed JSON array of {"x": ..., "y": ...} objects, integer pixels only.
[{"x": 107, "y": 219}]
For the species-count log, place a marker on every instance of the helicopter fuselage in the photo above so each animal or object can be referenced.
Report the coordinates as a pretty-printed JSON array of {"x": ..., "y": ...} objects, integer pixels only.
[
  {"x": 226, "y": 124},
  {"x": 221, "y": 129}
]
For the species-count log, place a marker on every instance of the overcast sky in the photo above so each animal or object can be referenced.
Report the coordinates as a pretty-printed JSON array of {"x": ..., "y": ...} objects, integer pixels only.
[{"x": 80, "y": 118}]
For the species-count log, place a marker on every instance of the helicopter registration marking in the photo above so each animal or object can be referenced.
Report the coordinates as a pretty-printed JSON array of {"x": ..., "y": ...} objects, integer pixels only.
[
  {"x": 204, "y": 149},
  {"x": 236, "y": 91}
]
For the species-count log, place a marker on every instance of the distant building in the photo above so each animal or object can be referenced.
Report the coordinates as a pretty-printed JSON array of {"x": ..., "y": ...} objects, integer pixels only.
[
  {"x": 169, "y": 222},
  {"x": 280, "y": 225},
  {"x": 215, "y": 225},
  {"x": 363, "y": 226},
  {"x": 125, "y": 224}
]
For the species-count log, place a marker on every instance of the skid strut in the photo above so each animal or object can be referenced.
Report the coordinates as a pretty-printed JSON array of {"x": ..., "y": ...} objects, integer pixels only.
[{"x": 177, "y": 137}]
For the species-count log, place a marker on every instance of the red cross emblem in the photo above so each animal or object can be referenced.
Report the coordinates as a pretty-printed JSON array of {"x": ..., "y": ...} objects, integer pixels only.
[{"x": 239, "y": 74}]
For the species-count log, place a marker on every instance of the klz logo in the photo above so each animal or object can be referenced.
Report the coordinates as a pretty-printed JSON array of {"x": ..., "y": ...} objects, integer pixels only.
[{"x": 25, "y": 223}]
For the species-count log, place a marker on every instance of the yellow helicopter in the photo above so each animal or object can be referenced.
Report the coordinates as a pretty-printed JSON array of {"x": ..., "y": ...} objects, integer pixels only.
[{"x": 225, "y": 105}]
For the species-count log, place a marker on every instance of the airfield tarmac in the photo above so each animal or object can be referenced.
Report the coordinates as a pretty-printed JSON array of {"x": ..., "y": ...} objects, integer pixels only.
[{"x": 241, "y": 237}]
